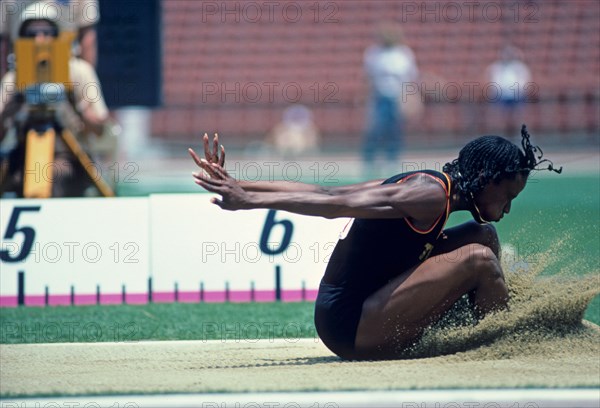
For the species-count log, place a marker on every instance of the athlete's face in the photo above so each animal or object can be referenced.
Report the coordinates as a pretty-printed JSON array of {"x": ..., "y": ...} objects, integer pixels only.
[{"x": 496, "y": 197}]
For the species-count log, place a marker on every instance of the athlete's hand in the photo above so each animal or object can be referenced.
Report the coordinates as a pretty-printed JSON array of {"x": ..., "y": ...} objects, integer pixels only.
[
  {"x": 233, "y": 196},
  {"x": 210, "y": 157}
]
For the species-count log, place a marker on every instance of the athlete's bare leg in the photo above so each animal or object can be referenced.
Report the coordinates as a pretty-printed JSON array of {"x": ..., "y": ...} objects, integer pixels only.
[{"x": 396, "y": 315}]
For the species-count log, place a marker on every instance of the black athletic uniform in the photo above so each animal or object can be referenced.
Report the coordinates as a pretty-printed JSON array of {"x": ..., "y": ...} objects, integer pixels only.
[{"x": 373, "y": 252}]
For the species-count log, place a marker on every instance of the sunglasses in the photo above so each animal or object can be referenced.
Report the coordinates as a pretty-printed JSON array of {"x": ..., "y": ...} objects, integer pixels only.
[{"x": 32, "y": 32}]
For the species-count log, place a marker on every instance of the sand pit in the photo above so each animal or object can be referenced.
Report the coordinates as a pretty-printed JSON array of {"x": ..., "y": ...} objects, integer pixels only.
[
  {"x": 540, "y": 342},
  {"x": 279, "y": 365}
]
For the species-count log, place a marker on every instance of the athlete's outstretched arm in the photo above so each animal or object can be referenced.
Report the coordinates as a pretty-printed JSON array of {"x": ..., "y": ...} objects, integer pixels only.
[{"x": 420, "y": 199}]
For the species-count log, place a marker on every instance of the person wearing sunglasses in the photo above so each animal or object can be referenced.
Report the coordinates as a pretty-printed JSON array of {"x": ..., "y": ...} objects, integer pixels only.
[{"x": 84, "y": 113}]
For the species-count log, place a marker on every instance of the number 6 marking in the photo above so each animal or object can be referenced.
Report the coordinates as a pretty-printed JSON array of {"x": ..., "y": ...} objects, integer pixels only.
[{"x": 266, "y": 232}]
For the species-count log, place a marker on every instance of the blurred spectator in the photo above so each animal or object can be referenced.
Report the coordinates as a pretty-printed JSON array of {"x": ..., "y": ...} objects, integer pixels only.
[
  {"x": 79, "y": 16},
  {"x": 389, "y": 65},
  {"x": 87, "y": 116},
  {"x": 296, "y": 133},
  {"x": 510, "y": 76}
]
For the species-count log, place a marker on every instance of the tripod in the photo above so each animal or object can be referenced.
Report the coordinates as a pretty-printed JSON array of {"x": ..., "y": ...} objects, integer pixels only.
[{"x": 35, "y": 157}]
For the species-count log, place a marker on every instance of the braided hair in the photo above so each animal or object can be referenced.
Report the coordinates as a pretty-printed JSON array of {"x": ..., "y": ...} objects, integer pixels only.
[{"x": 493, "y": 158}]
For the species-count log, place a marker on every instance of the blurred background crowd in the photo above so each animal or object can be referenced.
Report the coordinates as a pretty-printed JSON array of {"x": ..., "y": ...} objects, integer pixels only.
[
  {"x": 216, "y": 59},
  {"x": 294, "y": 78}
]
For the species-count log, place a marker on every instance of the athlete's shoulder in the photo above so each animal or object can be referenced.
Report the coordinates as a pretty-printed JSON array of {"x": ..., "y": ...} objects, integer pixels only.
[
  {"x": 422, "y": 176},
  {"x": 423, "y": 193},
  {"x": 435, "y": 187}
]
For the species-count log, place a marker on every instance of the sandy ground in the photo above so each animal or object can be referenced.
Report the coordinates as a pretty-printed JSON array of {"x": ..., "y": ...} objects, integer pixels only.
[{"x": 280, "y": 365}]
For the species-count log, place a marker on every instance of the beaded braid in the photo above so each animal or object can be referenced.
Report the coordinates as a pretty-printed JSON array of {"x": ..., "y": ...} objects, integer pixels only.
[
  {"x": 492, "y": 158},
  {"x": 530, "y": 161}
]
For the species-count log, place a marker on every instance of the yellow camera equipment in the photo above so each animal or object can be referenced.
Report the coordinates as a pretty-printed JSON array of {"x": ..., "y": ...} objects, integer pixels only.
[
  {"x": 43, "y": 62},
  {"x": 43, "y": 76}
]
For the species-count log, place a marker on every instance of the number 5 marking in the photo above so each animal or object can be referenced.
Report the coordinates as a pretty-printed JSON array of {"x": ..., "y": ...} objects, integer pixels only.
[{"x": 12, "y": 229}]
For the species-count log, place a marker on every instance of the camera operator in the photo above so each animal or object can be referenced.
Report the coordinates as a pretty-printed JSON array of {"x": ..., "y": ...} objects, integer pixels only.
[
  {"x": 85, "y": 114},
  {"x": 81, "y": 16}
]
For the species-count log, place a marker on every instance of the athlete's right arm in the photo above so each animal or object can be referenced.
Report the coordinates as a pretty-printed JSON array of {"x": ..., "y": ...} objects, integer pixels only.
[{"x": 419, "y": 199}]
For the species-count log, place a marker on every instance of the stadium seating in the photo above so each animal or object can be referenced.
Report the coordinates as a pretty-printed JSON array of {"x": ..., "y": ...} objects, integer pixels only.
[{"x": 225, "y": 69}]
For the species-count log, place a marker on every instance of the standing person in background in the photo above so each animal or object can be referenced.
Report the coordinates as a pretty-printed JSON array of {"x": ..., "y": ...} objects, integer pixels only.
[
  {"x": 511, "y": 77},
  {"x": 388, "y": 65}
]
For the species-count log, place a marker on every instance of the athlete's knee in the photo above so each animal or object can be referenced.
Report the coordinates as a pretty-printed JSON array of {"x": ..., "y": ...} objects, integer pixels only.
[
  {"x": 483, "y": 263},
  {"x": 491, "y": 238},
  {"x": 485, "y": 234}
]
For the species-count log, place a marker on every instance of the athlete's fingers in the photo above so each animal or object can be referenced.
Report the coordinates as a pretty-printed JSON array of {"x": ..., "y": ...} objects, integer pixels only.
[
  {"x": 208, "y": 180},
  {"x": 220, "y": 171},
  {"x": 203, "y": 164},
  {"x": 194, "y": 156},
  {"x": 215, "y": 154},
  {"x": 222, "y": 158},
  {"x": 205, "y": 185},
  {"x": 210, "y": 176},
  {"x": 207, "y": 168},
  {"x": 211, "y": 168},
  {"x": 218, "y": 202},
  {"x": 208, "y": 186},
  {"x": 207, "y": 153},
  {"x": 214, "y": 200}
]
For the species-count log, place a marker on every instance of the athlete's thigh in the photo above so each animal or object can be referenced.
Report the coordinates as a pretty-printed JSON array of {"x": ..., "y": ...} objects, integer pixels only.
[
  {"x": 467, "y": 233},
  {"x": 400, "y": 310}
]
